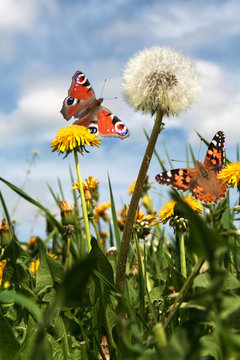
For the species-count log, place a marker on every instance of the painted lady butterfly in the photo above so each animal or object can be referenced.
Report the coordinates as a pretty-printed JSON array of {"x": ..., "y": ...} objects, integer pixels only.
[
  {"x": 202, "y": 182},
  {"x": 81, "y": 103}
]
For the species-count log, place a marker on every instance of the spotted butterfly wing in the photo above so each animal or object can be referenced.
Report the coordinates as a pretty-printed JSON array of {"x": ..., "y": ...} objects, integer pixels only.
[
  {"x": 202, "y": 182},
  {"x": 82, "y": 104}
]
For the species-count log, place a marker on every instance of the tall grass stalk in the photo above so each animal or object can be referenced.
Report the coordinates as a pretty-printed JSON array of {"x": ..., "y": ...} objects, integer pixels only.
[{"x": 127, "y": 232}]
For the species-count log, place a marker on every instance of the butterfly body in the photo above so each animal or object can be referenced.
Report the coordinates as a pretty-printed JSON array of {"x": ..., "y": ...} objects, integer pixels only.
[
  {"x": 82, "y": 104},
  {"x": 202, "y": 181}
]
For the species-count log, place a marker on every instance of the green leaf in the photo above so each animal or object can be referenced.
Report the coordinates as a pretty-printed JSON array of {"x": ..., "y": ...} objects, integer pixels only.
[
  {"x": 156, "y": 293},
  {"x": 44, "y": 279},
  {"x": 202, "y": 240},
  {"x": 10, "y": 296},
  {"x": 210, "y": 347},
  {"x": 202, "y": 280},
  {"x": 56, "y": 351},
  {"x": 74, "y": 286},
  {"x": 177, "y": 278},
  {"x": 8, "y": 344},
  {"x": 102, "y": 265},
  {"x": 15, "y": 251}
]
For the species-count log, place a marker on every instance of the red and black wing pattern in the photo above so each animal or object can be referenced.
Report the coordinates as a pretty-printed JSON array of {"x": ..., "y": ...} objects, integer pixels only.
[
  {"x": 79, "y": 94},
  {"x": 109, "y": 125},
  {"x": 82, "y": 104}
]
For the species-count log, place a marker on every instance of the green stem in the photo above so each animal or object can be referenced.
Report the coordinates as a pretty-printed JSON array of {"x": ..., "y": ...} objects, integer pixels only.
[
  {"x": 141, "y": 279},
  {"x": 127, "y": 232},
  {"x": 179, "y": 299},
  {"x": 182, "y": 254},
  {"x": 67, "y": 253},
  {"x": 84, "y": 207}
]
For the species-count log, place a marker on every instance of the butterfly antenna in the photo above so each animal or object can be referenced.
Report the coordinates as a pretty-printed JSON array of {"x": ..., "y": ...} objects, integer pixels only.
[
  {"x": 104, "y": 83},
  {"x": 115, "y": 97},
  {"x": 181, "y": 160}
]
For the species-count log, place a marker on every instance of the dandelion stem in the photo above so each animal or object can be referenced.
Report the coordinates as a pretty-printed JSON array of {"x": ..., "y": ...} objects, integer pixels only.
[
  {"x": 127, "y": 231},
  {"x": 84, "y": 207},
  {"x": 182, "y": 254}
]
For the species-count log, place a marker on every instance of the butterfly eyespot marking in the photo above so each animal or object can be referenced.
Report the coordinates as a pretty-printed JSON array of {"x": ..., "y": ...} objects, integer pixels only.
[
  {"x": 71, "y": 101},
  {"x": 80, "y": 78},
  {"x": 120, "y": 128},
  {"x": 93, "y": 129}
]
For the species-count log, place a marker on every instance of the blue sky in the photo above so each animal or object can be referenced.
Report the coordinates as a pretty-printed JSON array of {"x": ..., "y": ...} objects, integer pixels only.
[{"x": 43, "y": 43}]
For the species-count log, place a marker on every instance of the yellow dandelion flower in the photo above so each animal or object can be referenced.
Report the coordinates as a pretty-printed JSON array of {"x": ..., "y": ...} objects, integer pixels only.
[
  {"x": 100, "y": 211},
  {"x": 32, "y": 242},
  {"x": 74, "y": 137},
  {"x": 54, "y": 256},
  {"x": 4, "y": 226},
  {"x": 2, "y": 266},
  {"x": 167, "y": 211},
  {"x": 193, "y": 203},
  {"x": 91, "y": 183},
  {"x": 65, "y": 206},
  {"x": 131, "y": 188},
  {"x": 231, "y": 174},
  {"x": 147, "y": 202},
  {"x": 34, "y": 265},
  {"x": 6, "y": 285}
]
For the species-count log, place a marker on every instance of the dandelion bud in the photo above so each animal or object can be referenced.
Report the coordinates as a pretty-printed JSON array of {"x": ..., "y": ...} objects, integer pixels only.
[
  {"x": 67, "y": 214},
  {"x": 5, "y": 235}
]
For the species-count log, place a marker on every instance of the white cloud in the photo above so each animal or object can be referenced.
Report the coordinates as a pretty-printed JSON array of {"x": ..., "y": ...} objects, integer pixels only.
[
  {"x": 194, "y": 17},
  {"x": 217, "y": 108},
  {"x": 21, "y": 14},
  {"x": 35, "y": 117}
]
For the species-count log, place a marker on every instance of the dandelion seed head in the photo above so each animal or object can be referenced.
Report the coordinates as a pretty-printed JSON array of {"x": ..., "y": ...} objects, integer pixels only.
[{"x": 160, "y": 77}]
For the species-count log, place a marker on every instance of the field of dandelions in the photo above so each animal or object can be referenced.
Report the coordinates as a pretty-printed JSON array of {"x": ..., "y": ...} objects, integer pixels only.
[{"x": 137, "y": 290}]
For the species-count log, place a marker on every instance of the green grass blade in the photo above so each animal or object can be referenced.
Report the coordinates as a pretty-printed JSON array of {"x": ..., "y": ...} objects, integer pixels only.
[
  {"x": 55, "y": 196},
  {"x": 187, "y": 156},
  {"x": 192, "y": 155},
  {"x": 167, "y": 155},
  {"x": 6, "y": 214},
  {"x": 156, "y": 154},
  {"x": 60, "y": 189},
  {"x": 114, "y": 217},
  {"x": 20, "y": 192}
]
